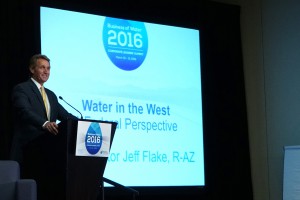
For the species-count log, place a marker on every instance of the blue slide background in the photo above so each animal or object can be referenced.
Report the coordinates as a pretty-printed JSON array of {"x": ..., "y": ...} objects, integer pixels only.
[{"x": 169, "y": 78}]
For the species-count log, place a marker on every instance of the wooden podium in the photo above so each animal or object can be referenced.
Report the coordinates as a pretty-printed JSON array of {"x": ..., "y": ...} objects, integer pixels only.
[{"x": 66, "y": 168}]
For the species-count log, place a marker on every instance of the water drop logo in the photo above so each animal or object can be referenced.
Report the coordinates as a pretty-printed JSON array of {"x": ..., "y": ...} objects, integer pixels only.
[
  {"x": 93, "y": 138},
  {"x": 125, "y": 42}
]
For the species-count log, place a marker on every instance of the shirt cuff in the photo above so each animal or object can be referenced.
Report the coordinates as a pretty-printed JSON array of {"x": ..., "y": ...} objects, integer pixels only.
[{"x": 45, "y": 123}]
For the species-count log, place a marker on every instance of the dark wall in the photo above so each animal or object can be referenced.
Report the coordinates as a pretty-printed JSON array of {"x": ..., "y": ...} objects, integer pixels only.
[{"x": 227, "y": 160}]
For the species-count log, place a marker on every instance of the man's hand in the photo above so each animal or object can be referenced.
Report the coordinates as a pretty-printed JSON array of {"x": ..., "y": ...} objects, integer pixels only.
[{"x": 52, "y": 127}]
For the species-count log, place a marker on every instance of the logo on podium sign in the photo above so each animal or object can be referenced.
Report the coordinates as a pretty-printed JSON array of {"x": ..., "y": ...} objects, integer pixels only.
[{"x": 93, "y": 139}]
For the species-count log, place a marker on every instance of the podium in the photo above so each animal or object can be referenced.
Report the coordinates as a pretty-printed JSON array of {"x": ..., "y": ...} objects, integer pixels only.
[{"x": 67, "y": 167}]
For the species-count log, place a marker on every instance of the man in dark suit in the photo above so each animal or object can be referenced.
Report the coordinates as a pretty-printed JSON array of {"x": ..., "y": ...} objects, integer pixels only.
[{"x": 35, "y": 115}]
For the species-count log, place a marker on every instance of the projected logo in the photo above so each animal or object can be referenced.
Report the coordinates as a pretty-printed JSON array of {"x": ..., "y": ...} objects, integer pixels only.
[
  {"x": 125, "y": 42},
  {"x": 93, "y": 138}
]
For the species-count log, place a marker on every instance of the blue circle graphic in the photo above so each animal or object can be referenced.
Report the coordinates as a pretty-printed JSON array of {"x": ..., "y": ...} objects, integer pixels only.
[
  {"x": 125, "y": 42},
  {"x": 93, "y": 138}
]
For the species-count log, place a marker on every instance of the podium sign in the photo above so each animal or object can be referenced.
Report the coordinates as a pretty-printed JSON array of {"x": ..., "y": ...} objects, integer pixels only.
[{"x": 93, "y": 139}]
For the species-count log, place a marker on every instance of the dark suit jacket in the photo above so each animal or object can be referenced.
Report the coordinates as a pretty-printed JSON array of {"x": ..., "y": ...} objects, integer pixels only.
[{"x": 30, "y": 115}]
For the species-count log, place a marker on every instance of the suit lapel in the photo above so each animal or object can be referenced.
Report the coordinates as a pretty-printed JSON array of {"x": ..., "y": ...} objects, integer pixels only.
[{"x": 38, "y": 94}]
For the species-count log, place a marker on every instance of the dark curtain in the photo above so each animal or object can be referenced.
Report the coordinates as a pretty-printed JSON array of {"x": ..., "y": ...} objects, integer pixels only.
[
  {"x": 225, "y": 116},
  {"x": 227, "y": 159},
  {"x": 18, "y": 38}
]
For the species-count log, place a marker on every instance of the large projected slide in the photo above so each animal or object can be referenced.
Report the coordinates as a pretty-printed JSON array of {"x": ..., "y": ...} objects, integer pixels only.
[{"x": 144, "y": 76}]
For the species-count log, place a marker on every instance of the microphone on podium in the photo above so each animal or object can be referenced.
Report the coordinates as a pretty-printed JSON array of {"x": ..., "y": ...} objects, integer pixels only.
[{"x": 71, "y": 106}]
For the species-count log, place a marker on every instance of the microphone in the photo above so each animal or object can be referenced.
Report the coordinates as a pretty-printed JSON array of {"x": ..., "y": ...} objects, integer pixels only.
[{"x": 71, "y": 106}]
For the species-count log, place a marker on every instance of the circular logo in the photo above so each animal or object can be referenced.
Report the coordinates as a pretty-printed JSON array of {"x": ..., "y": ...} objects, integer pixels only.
[
  {"x": 93, "y": 138},
  {"x": 125, "y": 42}
]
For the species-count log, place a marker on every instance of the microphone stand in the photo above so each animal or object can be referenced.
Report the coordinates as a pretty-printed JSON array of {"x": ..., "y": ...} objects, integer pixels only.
[{"x": 71, "y": 106}]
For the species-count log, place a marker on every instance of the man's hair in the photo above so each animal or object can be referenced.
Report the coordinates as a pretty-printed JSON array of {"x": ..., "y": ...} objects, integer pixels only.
[{"x": 33, "y": 60}]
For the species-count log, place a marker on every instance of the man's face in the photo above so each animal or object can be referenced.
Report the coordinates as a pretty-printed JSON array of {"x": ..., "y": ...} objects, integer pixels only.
[{"x": 41, "y": 72}]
